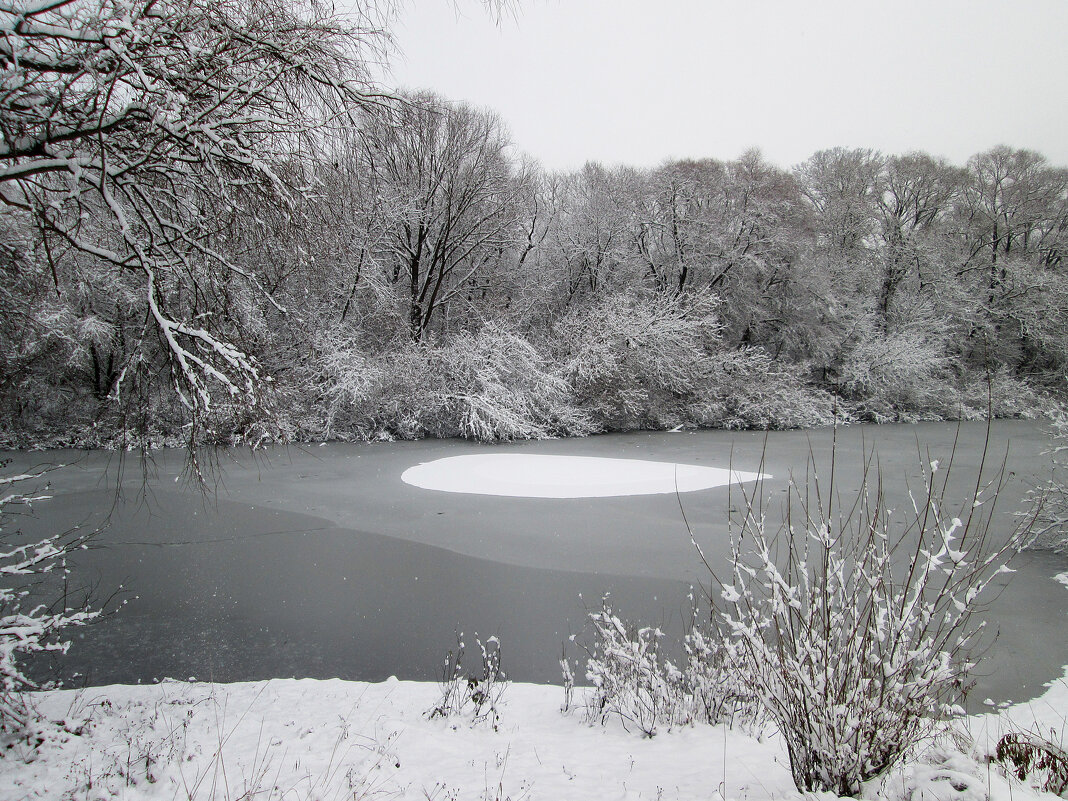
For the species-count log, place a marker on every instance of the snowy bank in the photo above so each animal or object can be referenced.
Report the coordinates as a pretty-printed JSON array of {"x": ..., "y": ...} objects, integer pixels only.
[{"x": 306, "y": 739}]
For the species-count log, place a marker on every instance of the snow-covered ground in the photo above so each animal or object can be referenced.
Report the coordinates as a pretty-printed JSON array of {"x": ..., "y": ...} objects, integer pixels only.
[
  {"x": 540, "y": 476},
  {"x": 305, "y": 739}
]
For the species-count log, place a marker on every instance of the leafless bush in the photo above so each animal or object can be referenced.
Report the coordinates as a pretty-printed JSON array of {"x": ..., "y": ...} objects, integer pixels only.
[
  {"x": 638, "y": 360},
  {"x": 633, "y": 680},
  {"x": 857, "y": 636},
  {"x": 568, "y": 676},
  {"x": 658, "y": 361},
  {"x": 750, "y": 389},
  {"x": 1002, "y": 394},
  {"x": 505, "y": 389},
  {"x": 491, "y": 385},
  {"x": 903, "y": 374},
  {"x": 471, "y": 694}
]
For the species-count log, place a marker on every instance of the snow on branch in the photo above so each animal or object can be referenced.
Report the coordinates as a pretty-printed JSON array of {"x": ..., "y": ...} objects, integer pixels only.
[
  {"x": 855, "y": 625},
  {"x": 212, "y": 359},
  {"x": 134, "y": 131},
  {"x": 28, "y": 624}
]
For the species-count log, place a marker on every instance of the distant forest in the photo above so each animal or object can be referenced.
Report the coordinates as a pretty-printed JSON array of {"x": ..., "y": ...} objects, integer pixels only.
[{"x": 422, "y": 279}]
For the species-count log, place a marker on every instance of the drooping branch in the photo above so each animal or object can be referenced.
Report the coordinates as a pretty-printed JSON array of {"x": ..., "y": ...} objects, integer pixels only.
[{"x": 129, "y": 131}]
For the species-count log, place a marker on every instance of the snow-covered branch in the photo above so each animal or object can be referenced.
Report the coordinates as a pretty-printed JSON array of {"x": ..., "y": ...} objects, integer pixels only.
[
  {"x": 27, "y": 623},
  {"x": 132, "y": 131},
  {"x": 855, "y": 630}
]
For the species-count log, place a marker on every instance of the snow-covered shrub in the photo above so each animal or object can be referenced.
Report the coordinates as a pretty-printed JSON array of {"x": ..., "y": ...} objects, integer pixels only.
[
  {"x": 628, "y": 674},
  {"x": 857, "y": 636},
  {"x": 471, "y": 694},
  {"x": 1001, "y": 394},
  {"x": 639, "y": 360},
  {"x": 657, "y": 361},
  {"x": 30, "y": 621},
  {"x": 898, "y": 375},
  {"x": 635, "y": 681},
  {"x": 490, "y": 385},
  {"x": 502, "y": 388},
  {"x": 343, "y": 377},
  {"x": 568, "y": 676},
  {"x": 749, "y": 389}
]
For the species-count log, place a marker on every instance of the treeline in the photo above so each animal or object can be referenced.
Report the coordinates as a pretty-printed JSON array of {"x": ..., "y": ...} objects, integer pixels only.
[{"x": 427, "y": 281}]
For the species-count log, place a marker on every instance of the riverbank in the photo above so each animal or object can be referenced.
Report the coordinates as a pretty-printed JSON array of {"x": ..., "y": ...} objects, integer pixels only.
[{"x": 334, "y": 739}]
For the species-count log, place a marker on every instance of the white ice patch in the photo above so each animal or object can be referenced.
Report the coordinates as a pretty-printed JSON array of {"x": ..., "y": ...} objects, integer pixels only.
[
  {"x": 1062, "y": 578},
  {"x": 532, "y": 476}
]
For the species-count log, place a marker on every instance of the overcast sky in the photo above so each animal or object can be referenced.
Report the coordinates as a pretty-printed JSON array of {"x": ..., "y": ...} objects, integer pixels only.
[{"x": 622, "y": 81}]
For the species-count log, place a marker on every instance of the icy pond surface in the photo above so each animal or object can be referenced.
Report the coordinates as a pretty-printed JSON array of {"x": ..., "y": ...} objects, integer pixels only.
[{"x": 323, "y": 561}]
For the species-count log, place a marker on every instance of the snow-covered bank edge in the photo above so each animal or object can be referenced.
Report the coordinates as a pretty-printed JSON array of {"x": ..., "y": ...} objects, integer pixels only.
[{"x": 308, "y": 739}]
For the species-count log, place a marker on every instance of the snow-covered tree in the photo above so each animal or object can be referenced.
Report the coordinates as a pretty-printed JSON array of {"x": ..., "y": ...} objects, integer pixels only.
[
  {"x": 842, "y": 186},
  {"x": 132, "y": 131},
  {"x": 445, "y": 170},
  {"x": 916, "y": 194},
  {"x": 591, "y": 249}
]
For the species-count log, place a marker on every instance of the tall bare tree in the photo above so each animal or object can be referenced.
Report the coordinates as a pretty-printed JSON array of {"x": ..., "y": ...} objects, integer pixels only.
[
  {"x": 445, "y": 170},
  {"x": 842, "y": 187},
  {"x": 917, "y": 194},
  {"x": 1013, "y": 203}
]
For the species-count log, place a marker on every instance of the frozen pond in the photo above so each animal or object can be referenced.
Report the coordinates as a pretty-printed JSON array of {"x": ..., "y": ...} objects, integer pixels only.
[{"x": 323, "y": 561}]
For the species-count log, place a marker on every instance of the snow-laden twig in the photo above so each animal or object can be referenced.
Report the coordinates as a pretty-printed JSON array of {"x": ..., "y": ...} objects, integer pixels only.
[
  {"x": 1050, "y": 500},
  {"x": 27, "y": 624},
  {"x": 634, "y": 680}
]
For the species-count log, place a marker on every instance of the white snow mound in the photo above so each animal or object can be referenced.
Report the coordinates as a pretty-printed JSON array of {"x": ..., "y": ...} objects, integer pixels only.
[{"x": 537, "y": 476}]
